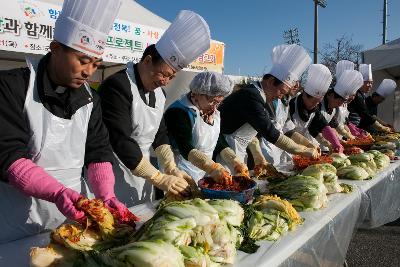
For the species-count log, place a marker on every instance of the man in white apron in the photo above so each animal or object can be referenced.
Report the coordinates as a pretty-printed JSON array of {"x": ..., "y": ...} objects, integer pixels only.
[
  {"x": 193, "y": 123},
  {"x": 324, "y": 122},
  {"x": 272, "y": 153},
  {"x": 342, "y": 113},
  {"x": 52, "y": 127},
  {"x": 359, "y": 114},
  {"x": 133, "y": 105},
  {"x": 304, "y": 109},
  {"x": 245, "y": 112}
]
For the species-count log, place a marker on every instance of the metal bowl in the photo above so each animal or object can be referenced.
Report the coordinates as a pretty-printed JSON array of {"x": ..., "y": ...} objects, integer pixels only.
[{"x": 242, "y": 196}]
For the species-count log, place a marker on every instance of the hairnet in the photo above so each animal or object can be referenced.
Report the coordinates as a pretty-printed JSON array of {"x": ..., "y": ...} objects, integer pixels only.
[{"x": 211, "y": 83}]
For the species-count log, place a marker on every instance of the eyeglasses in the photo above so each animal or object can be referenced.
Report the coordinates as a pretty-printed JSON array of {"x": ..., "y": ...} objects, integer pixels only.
[{"x": 214, "y": 100}]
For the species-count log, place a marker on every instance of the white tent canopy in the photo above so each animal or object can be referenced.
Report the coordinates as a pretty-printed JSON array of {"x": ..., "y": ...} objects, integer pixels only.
[{"x": 385, "y": 60}]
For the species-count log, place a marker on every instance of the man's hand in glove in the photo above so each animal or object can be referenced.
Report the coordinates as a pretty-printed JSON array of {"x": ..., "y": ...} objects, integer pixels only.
[{"x": 168, "y": 183}]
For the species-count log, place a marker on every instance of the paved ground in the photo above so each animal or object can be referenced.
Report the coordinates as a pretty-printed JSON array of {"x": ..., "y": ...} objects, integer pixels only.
[{"x": 378, "y": 247}]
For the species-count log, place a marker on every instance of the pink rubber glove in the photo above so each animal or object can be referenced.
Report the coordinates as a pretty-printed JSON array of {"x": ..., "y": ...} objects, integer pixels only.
[
  {"x": 330, "y": 134},
  {"x": 355, "y": 130},
  {"x": 101, "y": 179},
  {"x": 33, "y": 181}
]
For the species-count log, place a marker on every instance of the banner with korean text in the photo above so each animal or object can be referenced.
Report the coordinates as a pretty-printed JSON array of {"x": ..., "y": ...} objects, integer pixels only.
[{"x": 28, "y": 27}]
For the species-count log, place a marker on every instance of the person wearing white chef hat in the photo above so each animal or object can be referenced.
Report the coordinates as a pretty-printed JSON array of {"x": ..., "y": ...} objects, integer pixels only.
[
  {"x": 346, "y": 86},
  {"x": 280, "y": 106},
  {"x": 342, "y": 111},
  {"x": 359, "y": 114},
  {"x": 52, "y": 127},
  {"x": 384, "y": 90},
  {"x": 133, "y": 105},
  {"x": 304, "y": 110},
  {"x": 248, "y": 111}
]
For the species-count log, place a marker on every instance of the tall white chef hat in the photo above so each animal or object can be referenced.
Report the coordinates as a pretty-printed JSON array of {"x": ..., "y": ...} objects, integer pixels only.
[
  {"x": 319, "y": 78},
  {"x": 290, "y": 64},
  {"x": 185, "y": 39},
  {"x": 84, "y": 24},
  {"x": 277, "y": 51},
  {"x": 211, "y": 83},
  {"x": 348, "y": 83},
  {"x": 343, "y": 65},
  {"x": 386, "y": 88},
  {"x": 366, "y": 72}
]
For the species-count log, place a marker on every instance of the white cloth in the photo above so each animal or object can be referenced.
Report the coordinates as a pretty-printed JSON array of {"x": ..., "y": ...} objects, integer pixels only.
[
  {"x": 272, "y": 153},
  {"x": 130, "y": 189},
  {"x": 342, "y": 114},
  {"x": 58, "y": 146},
  {"x": 84, "y": 24},
  {"x": 204, "y": 138},
  {"x": 302, "y": 126},
  {"x": 185, "y": 39}
]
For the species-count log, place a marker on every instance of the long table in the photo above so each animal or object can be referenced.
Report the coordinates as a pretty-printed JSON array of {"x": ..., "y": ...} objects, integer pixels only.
[
  {"x": 322, "y": 240},
  {"x": 380, "y": 202}
]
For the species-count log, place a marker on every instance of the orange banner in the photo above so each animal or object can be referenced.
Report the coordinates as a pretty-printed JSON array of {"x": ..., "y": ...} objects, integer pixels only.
[{"x": 212, "y": 60}]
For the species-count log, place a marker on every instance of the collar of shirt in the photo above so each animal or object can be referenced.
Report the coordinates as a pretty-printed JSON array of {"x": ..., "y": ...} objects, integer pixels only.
[
  {"x": 57, "y": 99},
  {"x": 150, "y": 100},
  {"x": 304, "y": 114}
]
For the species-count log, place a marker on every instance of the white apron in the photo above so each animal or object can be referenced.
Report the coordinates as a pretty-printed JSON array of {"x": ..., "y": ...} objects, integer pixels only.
[
  {"x": 204, "y": 138},
  {"x": 130, "y": 189},
  {"x": 271, "y": 152},
  {"x": 328, "y": 117},
  {"x": 240, "y": 139},
  {"x": 302, "y": 126},
  {"x": 58, "y": 146},
  {"x": 343, "y": 113}
]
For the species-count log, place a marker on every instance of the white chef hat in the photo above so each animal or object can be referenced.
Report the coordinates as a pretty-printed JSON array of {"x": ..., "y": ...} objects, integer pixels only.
[
  {"x": 290, "y": 64},
  {"x": 348, "y": 83},
  {"x": 343, "y": 65},
  {"x": 277, "y": 51},
  {"x": 211, "y": 83},
  {"x": 185, "y": 39},
  {"x": 319, "y": 78},
  {"x": 366, "y": 71},
  {"x": 386, "y": 88},
  {"x": 84, "y": 24}
]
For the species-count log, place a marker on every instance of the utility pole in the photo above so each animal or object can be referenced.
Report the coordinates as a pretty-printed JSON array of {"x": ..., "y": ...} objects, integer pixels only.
[
  {"x": 385, "y": 4},
  {"x": 291, "y": 36},
  {"x": 321, "y": 3}
]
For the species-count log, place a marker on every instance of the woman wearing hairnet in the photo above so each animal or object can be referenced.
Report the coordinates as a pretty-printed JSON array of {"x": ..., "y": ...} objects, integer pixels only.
[{"x": 193, "y": 123}]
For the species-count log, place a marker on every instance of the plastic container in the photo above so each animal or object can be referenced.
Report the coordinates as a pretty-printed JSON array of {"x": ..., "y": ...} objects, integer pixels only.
[{"x": 242, "y": 196}]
